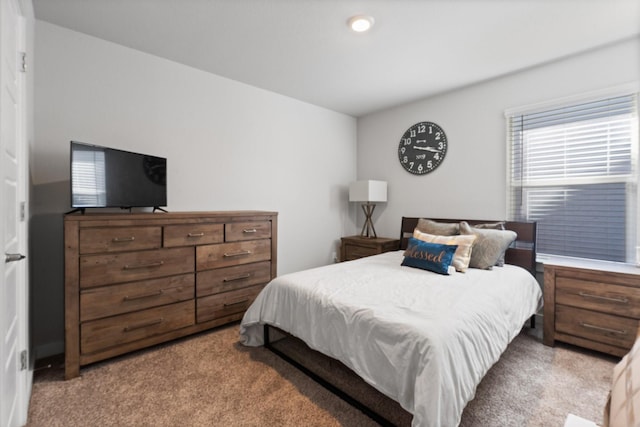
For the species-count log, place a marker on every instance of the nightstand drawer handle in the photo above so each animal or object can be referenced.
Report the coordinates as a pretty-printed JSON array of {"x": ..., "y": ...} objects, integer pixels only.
[
  {"x": 249, "y": 230},
  {"x": 231, "y": 279},
  {"x": 622, "y": 300},
  {"x": 600, "y": 328},
  {"x": 123, "y": 239},
  {"x": 237, "y": 253},
  {"x": 195, "y": 234}
]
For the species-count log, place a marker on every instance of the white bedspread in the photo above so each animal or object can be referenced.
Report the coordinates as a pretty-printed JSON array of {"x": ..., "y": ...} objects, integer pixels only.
[{"x": 423, "y": 339}]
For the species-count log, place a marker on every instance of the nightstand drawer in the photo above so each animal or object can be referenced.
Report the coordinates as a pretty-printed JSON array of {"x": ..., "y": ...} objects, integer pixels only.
[
  {"x": 598, "y": 296},
  {"x": 355, "y": 252},
  {"x": 604, "y": 328},
  {"x": 354, "y": 247}
]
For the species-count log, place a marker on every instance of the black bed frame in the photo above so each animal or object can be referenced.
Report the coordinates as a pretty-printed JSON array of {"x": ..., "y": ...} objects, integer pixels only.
[
  {"x": 322, "y": 381},
  {"x": 521, "y": 253}
]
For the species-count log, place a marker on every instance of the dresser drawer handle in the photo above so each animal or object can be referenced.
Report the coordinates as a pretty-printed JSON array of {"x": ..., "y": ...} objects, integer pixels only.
[
  {"x": 149, "y": 295},
  {"x": 600, "y": 328},
  {"x": 123, "y": 239},
  {"x": 143, "y": 325},
  {"x": 232, "y": 279},
  {"x": 249, "y": 230},
  {"x": 138, "y": 266},
  {"x": 622, "y": 300},
  {"x": 195, "y": 234},
  {"x": 236, "y": 303},
  {"x": 237, "y": 253}
]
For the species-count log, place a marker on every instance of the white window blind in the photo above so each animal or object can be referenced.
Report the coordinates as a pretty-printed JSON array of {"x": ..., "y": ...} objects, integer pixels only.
[
  {"x": 88, "y": 177},
  {"x": 573, "y": 170}
]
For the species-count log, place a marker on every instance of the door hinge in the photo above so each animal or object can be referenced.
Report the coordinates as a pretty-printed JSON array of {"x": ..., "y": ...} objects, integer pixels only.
[
  {"x": 23, "y": 360},
  {"x": 22, "y": 61},
  {"x": 23, "y": 208}
]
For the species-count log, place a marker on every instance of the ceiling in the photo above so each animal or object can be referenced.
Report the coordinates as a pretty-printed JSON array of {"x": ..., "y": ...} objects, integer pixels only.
[{"x": 304, "y": 49}]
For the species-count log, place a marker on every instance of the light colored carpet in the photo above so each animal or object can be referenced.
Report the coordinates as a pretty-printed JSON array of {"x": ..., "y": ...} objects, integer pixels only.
[{"x": 212, "y": 380}]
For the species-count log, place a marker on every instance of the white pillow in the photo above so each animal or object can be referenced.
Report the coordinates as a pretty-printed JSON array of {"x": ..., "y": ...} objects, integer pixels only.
[{"x": 463, "y": 253}]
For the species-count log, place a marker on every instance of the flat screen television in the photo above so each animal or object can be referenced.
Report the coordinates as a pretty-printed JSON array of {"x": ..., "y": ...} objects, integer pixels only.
[{"x": 103, "y": 177}]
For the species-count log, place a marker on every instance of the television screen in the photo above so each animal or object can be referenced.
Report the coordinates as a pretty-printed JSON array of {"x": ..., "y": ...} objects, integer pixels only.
[{"x": 104, "y": 177}]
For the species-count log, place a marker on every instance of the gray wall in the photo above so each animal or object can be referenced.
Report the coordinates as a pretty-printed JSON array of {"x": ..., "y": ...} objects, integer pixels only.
[
  {"x": 471, "y": 181},
  {"x": 229, "y": 146}
]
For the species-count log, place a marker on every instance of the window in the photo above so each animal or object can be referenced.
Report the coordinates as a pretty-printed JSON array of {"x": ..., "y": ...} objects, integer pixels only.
[{"x": 573, "y": 169}]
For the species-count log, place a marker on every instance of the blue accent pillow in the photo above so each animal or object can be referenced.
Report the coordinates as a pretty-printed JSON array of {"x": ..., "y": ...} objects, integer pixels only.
[{"x": 434, "y": 257}]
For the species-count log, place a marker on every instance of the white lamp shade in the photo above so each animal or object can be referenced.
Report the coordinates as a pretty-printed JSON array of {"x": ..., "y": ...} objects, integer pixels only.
[{"x": 368, "y": 191}]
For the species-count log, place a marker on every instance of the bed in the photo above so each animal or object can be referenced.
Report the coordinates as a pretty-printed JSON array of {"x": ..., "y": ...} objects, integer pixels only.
[{"x": 421, "y": 338}]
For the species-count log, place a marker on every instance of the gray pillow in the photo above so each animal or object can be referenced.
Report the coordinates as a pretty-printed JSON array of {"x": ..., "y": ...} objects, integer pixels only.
[
  {"x": 494, "y": 226},
  {"x": 491, "y": 225},
  {"x": 438, "y": 228},
  {"x": 489, "y": 247}
]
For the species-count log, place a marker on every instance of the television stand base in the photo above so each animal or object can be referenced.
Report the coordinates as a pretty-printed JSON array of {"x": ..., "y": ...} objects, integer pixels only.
[
  {"x": 160, "y": 209},
  {"x": 81, "y": 210}
]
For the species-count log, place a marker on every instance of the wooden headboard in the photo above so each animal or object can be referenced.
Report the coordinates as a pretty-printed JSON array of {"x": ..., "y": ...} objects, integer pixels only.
[{"x": 522, "y": 253}]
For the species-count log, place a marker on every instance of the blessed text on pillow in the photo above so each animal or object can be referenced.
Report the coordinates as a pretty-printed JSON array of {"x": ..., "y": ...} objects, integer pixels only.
[{"x": 429, "y": 256}]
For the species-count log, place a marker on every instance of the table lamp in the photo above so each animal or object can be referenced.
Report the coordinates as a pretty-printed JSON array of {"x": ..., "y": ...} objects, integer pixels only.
[{"x": 369, "y": 192}]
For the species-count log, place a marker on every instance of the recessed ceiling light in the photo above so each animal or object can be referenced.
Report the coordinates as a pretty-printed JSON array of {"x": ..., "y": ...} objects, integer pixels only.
[{"x": 360, "y": 23}]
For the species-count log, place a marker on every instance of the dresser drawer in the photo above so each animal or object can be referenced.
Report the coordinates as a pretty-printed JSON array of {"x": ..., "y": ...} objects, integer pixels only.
[
  {"x": 594, "y": 326},
  {"x": 225, "y": 304},
  {"x": 96, "y": 303},
  {"x": 114, "y": 331},
  {"x": 238, "y": 231},
  {"x": 97, "y": 270},
  {"x": 354, "y": 252},
  {"x": 193, "y": 234},
  {"x": 231, "y": 278},
  {"x": 230, "y": 254},
  {"x": 598, "y": 296},
  {"x": 119, "y": 239}
]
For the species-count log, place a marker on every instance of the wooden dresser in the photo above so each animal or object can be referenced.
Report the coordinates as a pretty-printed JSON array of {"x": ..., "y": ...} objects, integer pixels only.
[
  {"x": 135, "y": 280},
  {"x": 592, "y": 304},
  {"x": 354, "y": 247}
]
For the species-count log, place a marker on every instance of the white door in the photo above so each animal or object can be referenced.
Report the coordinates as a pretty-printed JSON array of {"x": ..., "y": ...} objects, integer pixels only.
[{"x": 15, "y": 376}]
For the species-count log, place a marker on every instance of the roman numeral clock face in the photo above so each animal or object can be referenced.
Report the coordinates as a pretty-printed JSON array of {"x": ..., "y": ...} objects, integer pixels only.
[{"x": 422, "y": 148}]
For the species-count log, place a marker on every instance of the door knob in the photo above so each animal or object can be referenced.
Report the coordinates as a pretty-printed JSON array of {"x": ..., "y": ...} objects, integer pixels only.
[{"x": 13, "y": 257}]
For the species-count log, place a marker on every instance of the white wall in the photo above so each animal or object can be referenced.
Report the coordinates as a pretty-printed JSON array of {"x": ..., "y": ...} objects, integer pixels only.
[
  {"x": 229, "y": 146},
  {"x": 471, "y": 181},
  {"x": 232, "y": 146}
]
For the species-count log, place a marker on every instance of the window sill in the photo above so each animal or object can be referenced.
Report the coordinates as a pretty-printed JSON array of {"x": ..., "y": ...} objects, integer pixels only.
[{"x": 592, "y": 264}]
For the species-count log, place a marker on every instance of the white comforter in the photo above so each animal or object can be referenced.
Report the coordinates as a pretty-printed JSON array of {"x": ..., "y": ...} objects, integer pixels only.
[{"x": 423, "y": 339}]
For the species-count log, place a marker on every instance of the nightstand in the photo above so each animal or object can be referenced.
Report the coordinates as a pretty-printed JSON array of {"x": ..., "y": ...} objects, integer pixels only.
[
  {"x": 592, "y": 304},
  {"x": 354, "y": 247}
]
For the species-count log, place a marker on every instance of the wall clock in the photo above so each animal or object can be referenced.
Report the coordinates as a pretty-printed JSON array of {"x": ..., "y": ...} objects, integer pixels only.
[{"x": 422, "y": 148}]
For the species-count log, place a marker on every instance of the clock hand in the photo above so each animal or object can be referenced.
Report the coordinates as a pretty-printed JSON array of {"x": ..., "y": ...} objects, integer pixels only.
[{"x": 431, "y": 149}]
